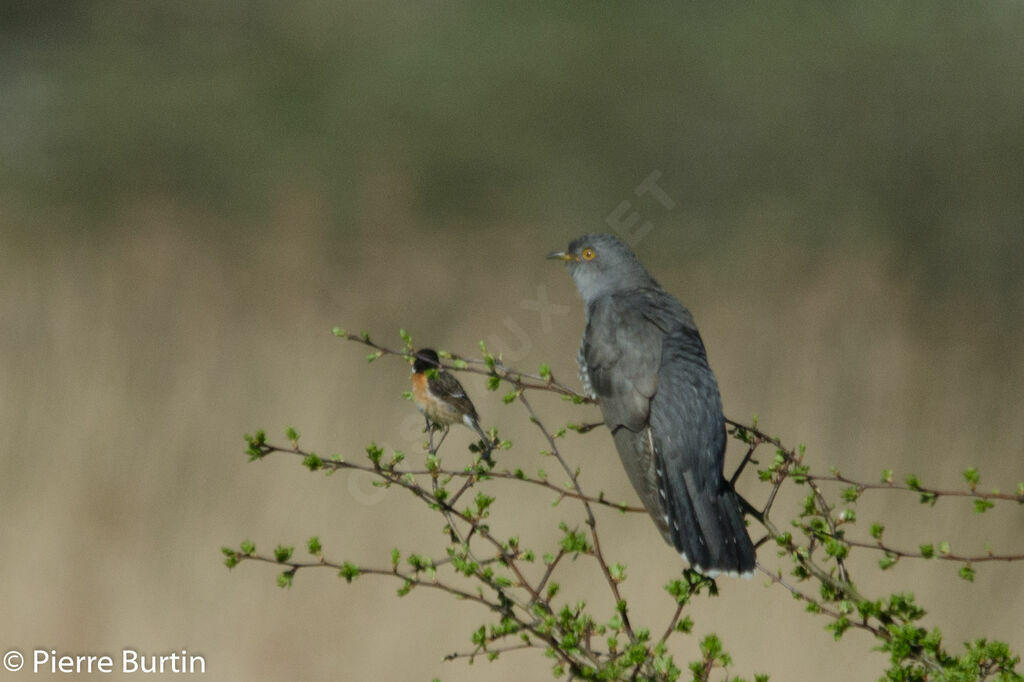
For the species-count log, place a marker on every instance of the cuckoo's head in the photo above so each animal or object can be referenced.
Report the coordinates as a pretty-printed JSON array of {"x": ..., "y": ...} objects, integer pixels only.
[{"x": 601, "y": 264}]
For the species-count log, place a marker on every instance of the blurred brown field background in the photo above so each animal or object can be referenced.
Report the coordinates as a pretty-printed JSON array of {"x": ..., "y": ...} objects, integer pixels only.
[{"x": 193, "y": 194}]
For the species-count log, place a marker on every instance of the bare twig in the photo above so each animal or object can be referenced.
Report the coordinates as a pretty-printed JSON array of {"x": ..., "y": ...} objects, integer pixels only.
[
  {"x": 471, "y": 475},
  {"x": 521, "y": 380},
  {"x": 613, "y": 584},
  {"x": 490, "y": 650},
  {"x": 934, "y": 554}
]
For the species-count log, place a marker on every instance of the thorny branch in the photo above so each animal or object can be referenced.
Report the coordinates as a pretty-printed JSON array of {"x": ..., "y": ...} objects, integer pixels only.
[
  {"x": 489, "y": 366},
  {"x": 527, "y": 608}
]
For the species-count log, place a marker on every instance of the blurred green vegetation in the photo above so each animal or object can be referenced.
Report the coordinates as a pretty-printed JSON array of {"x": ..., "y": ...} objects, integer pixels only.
[
  {"x": 899, "y": 126},
  {"x": 896, "y": 122}
]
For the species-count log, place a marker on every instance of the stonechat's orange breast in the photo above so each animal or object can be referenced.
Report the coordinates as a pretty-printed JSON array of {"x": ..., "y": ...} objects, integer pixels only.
[{"x": 419, "y": 391}]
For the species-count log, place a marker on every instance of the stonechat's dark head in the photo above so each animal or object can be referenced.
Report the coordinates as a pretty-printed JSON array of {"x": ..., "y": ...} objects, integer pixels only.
[{"x": 426, "y": 358}]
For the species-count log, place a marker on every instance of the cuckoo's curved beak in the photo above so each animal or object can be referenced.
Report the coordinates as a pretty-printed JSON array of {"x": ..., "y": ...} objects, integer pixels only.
[{"x": 561, "y": 255}]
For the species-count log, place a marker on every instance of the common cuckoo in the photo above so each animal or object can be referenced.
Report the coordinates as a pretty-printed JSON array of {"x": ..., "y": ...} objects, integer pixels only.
[{"x": 643, "y": 360}]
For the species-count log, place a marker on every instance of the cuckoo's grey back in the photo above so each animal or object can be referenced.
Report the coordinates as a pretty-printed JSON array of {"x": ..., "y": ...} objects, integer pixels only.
[{"x": 642, "y": 358}]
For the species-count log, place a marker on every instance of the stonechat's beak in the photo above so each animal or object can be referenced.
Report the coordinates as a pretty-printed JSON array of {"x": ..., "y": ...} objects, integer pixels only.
[{"x": 561, "y": 255}]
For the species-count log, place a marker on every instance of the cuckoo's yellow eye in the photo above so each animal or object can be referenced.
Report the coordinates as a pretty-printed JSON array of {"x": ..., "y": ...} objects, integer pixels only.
[{"x": 588, "y": 254}]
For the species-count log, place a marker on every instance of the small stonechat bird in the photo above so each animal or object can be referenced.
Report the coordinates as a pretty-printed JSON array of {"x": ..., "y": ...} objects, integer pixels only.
[{"x": 441, "y": 399}]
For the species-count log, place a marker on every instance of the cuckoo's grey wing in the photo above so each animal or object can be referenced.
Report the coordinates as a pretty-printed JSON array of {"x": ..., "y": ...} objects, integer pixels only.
[
  {"x": 688, "y": 434},
  {"x": 621, "y": 351}
]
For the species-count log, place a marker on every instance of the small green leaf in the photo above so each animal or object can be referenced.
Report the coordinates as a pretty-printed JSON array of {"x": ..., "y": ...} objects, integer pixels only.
[
  {"x": 711, "y": 647},
  {"x": 573, "y": 541},
  {"x": 927, "y": 551},
  {"x": 887, "y": 476},
  {"x": 488, "y": 357},
  {"x": 282, "y": 553},
  {"x": 982, "y": 506},
  {"x": 374, "y": 453},
  {"x": 349, "y": 571},
  {"x": 231, "y": 557},
  {"x": 313, "y": 545},
  {"x": 420, "y": 563},
  {"x": 483, "y": 502},
  {"x": 257, "y": 445},
  {"x": 972, "y": 477},
  {"x": 545, "y": 372},
  {"x": 838, "y": 627},
  {"x": 835, "y": 548},
  {"x": 967, "y": 573},
  {"x": 338, "y": 331},
  {"x": 433, "y": 462}
]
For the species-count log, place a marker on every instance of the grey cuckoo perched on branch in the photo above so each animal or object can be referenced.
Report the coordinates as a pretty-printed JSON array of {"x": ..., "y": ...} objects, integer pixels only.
[{"x": 643, "y": 360}]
